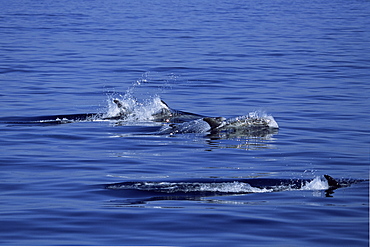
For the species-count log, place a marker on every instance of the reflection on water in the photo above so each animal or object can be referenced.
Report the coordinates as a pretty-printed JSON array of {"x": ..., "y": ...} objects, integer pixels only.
[{"x": 245, "y": 143}]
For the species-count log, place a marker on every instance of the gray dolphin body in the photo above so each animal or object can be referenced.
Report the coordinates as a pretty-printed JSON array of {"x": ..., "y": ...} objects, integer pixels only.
[{"x": 242, "y": 124}]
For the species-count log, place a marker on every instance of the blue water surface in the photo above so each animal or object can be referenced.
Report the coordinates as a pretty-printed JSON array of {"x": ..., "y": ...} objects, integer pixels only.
[{"x": 306, "y": 63}]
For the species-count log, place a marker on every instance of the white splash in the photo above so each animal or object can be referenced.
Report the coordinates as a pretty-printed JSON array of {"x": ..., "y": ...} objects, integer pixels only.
[
  {"x": 131, "y": 110},
  {"x": 253, "y": 119},
  {"x": 234, "y": 187},
  {"x": 170, "y": 187},
  {"x": 316, "y": 184}
]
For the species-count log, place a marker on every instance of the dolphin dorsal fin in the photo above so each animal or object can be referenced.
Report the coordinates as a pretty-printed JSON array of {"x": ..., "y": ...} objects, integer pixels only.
[
  {"x": 165, "y": 104},
  {"x": 332, "y": 182},
  {"x": 214, "y": 122}
]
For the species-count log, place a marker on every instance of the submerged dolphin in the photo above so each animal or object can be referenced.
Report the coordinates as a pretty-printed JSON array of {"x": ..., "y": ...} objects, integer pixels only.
[{"x": 210, "y": 187}]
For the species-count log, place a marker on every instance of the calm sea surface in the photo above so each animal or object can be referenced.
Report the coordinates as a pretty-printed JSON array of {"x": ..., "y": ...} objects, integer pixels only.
[{"x": 306, "y": 63}]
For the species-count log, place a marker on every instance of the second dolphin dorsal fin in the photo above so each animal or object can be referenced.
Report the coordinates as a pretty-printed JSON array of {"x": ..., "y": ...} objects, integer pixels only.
[
  {"x": 214, "y": 122},
  {"x": 332, "y": 182}
]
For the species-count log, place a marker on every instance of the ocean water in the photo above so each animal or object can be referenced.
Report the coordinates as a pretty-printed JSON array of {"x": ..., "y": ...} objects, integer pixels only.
[{"x": 109, "y": 182}]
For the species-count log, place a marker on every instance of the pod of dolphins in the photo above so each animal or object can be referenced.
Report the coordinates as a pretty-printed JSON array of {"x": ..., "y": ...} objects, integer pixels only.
[
  {"x": 185, "y": 122},
  {"x": 174, "y": 121}
]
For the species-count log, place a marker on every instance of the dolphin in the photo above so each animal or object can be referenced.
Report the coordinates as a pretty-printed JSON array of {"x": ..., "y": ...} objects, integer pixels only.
[
  {"x": 242, "y": 122},
  {"x": 142, "y": 192},
  {"x": 249, "y": 123},
  {"x": 160, "y": 112},
  {"x": 219, "y": 186}
]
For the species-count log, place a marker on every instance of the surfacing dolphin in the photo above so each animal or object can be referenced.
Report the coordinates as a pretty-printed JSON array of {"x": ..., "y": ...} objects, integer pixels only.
[
  {"x": 248, "y": 123},
  {"x": 196, "y": 188},
  {"x": 159, "y": 111}
]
